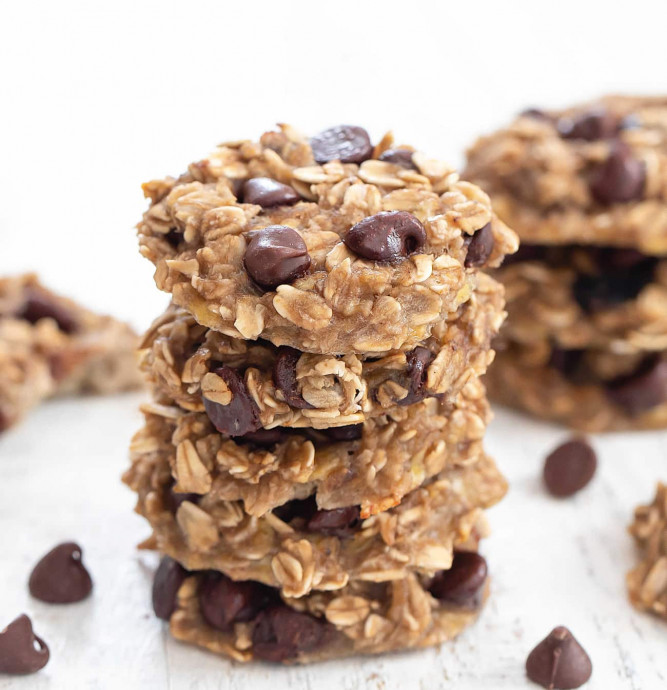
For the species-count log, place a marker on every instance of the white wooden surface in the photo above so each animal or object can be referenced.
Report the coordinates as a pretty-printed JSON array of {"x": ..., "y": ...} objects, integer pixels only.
[{"x": 553, "y": 562}]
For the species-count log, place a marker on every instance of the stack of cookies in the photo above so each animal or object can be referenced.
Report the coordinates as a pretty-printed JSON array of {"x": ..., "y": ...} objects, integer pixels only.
[
  {"x": 312, "y": 464},
  {"x": 585, "y": 343}
]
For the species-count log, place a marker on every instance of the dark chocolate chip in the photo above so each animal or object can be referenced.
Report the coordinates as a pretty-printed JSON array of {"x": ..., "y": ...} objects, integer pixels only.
[
  {"x": 241, "y": 416},
  {"x": 597, "y": 123},
  {"x": 276, "y": 255},
  {"x": 60, "y": 577},
  {"x": 643, "y": 389},
  {"x": 401, "y": 157},
  {"x": 21, "y": 651},
  {"x": 343, "y": 434},
  {"x": 39, "y": 306},
  {"x": 346, "y": 143},
  {"x": 463, "y": 582},
  {"x": 224, "y": 602},
  {"x": 266, "y": 193},
  {"x": 280, "y": 633},
  {"x": 620, "y": 178},
  {"x": 339, "y": 522},
  {"x": 169, "y": 577},
  {"x": 480, "y": 245},
  {"x": 265, "y": 438},
  {"x": 418, "y": 361},
  {"x": 559, "y": 662},
  {"x": 569, "y": 468},
  {"x": 284, "y": 377},
  {"x": 388, "y": 236}
]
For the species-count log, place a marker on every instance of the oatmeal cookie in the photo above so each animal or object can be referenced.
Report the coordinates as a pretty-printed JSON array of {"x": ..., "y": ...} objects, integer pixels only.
[
  {"x": 49, "y": 345},
  {"x": 327, "y": 248}
]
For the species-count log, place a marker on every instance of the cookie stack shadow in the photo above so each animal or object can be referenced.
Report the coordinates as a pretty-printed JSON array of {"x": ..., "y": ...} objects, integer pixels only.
[{"x": 311, "y": 463}]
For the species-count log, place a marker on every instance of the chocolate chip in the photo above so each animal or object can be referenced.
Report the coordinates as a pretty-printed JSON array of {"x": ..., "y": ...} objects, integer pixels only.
[
  {"x": 60, "y": 577},
  {"x": 597, "y": 123},
  {"x": 388, "y": 236},
  {"x": 266, "y": 193},
  {"x": 224, "y": 602},
  {"x": 569, "y": 468},
  {"x": 339, "y": 522},
  {"x": 241, "y": 415},
  {"x": 264, "y": 438},
  {"x": 643, "y": 389},
  {"x": 463, "y": 582},
  {"x": 418, "y": 361},
  {"x": 346, "y": 143},
  {"x": 400, "y": 157},
  {"x": 284, "y": 377},
  {"x": 281, "y": 633},
  {"x": 620, "y": 178},
  {"x": 559, "y": 662},
  {"x": 480, "y": 246},
  {"x": 21, "y": 651},
  {"x": 276, "y": 255},
  {"x": 343, "y": 434},
  {"x": 169, "y": 577},
  {"x": 38, "y": 306}
]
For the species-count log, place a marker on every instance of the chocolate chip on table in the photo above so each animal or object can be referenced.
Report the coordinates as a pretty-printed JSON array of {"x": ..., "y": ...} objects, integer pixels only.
[
  {"x": 569, "y": 467},
  {"x": 339, "y": 522},
  {"x": 462, "y": 584},
  {"x": 346, "y": 143},
  {"x": 400, "y": 157},
  {"x": 620, "y": 178},
  {"x": 224, "y": 602},
  {"x": 480, "y": 245},
  {"x": 284, "y": 377},
  {"x": 169, "y": 577},
  {"x": 596, "y": 123},
  {"x": 388, "y": 236},
  {"x": 21, "y": 651},
  {"x": 241, "y": 415},
  {"x": 280, "y": 633},
  {"x": 38, "y": 306},
  {"x": 276, "y": 255},
  {"x": 60, "y": 577},
  {"x": 643, "y": 389},
  {"x": 266, "y": 193},
  {"x": 418, "y": 361},
  {"x": 559, "y": 662}
]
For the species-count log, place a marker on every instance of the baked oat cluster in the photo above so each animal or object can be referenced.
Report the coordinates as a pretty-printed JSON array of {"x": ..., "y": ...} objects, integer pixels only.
[
  {"x": 49, "y": 346},
  {"x": 311, "y": 464},
  {"x": 585, "y": 342}
]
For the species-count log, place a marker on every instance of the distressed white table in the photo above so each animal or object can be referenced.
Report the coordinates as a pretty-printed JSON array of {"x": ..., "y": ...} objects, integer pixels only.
[{"x": 553, "y": 562}]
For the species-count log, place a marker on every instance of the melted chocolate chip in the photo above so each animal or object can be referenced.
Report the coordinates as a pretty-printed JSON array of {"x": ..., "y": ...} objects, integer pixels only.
[
  {"x": 267, "y": 193},
  {"x": 241, "y": 415},
  {"x": 276, "y": 255},
  {"x": 21, "y": 651},
  {"x": 60, "y": 577},
  {"x": 169, "y": 577},
  {"x": 480, "y": 246},
  {"x": 339, "y": 522},
  {"x": 387, "y": 237},
  {"x": 559, "y": 662},
  {"x": 284, "y": 377},
  {"x": 400, "y": 157},
  {"x": 346, "y": 143},
  {"x": 462, "y": 584},
  {"x": 643, "y": 389},
  {"x": 39, "y": 306},
  {"x": 621, "y": 178},
  {"x": 418, "y": 361},
  {"x": 597, "y": 123},
  {"x": 569, "y": 468}
]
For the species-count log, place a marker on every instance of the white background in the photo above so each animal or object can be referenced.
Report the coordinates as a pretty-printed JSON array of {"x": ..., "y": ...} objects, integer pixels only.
[{"x": 96, "y": 98}]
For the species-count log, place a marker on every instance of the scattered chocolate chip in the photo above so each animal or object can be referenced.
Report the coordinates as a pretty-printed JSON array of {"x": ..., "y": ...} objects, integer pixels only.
[
  {"x": 169, "y": 577},
  {"x": 21, "y": 651},
  {"x": 388, "y": 236},
  {"x": 284, "y": 377},
  {"x": 559, "y": 662},
  {"x": 400, "y": 157},
  {"x": 346, "y": 143},
  {"x": 174, "y": 237},
  {"x": 620, "y": 178},
  {"x": 480, "y": 246},
  {"x": 264, "y": 438},
  {"x": 60, "y": 577},
  {"x": 643, "y": 389},
  {"x": 39, "y": 306},
  {"x": 339, "y": 522},
  {"x": 224, "y": 602},
  {"x": 569, "y": 468},
  {"x": 241, "y": 416},
  {"x": 463, "y": 582},
  {"x": 276, "y": 255},
  {"x": 597, "y": 123},
  {"x": 266, "y": 193},
  {"x": 342, "y": 434},
  {"x": 418, "y": 361},
  {"x": 281, "y": 633}
]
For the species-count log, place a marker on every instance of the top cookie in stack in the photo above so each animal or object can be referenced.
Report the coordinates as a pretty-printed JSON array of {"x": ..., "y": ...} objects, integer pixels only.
[{"x": 586, "y": 189}]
